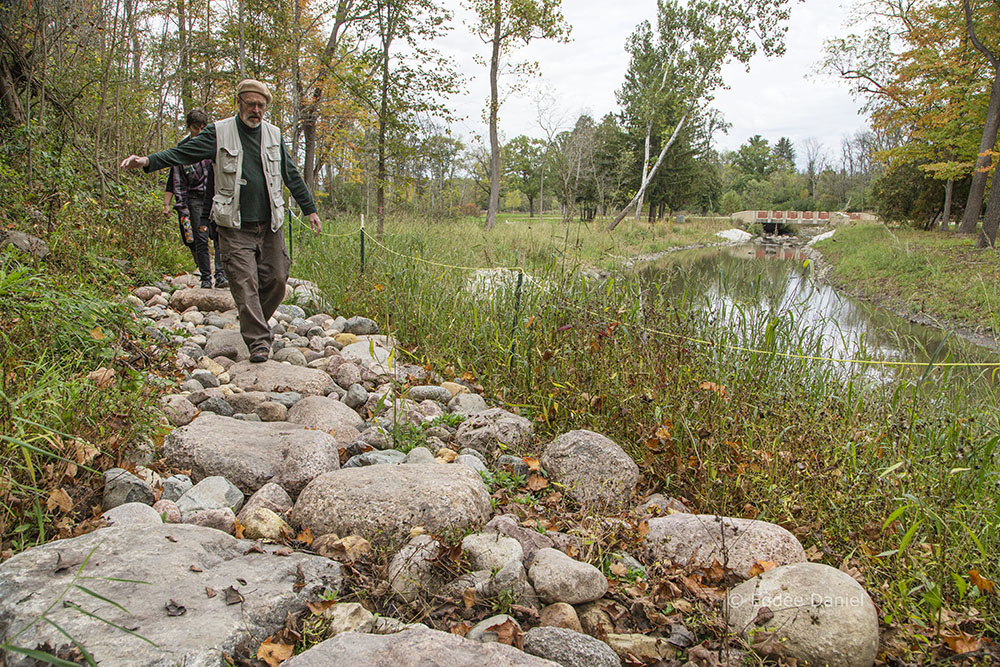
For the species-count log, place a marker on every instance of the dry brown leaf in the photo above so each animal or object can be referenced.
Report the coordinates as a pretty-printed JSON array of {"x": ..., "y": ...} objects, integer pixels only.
[
  {"x": 508, "y": 633},
  {"x": 717, "y": 388},
  {"x": 102, "y": 377},
  {"x": 619, "y": 569},
  {"x": 469, "y": 597},
  {"x": 764, "y": 614},
  {"x": 767, "y": 643},
  {"x": 536, "y": 482},
  {"x": 306, "y": 537},
  {"x": 534, "y": 465},
  {"x": 961, "y": 642},
  {"x": 460, "y": 629},
  {"x": 210, "y": 592},
  {"x": 233, "y": 596},
  {"x": 762, "y": 566},
  {"x": 238, "y": 529},
  {"x": 195, "y": 568},
  {"x": 319, "y": 608},
  {"x": 274, "y": 654},
  {"x": 814, "y": 555},
  {"x": 85, "y": 453},
  {"x": 59, "y": 498},
  {"x": 982, "y": 583},
  {"x": 175, "y": 609},
  {"x": 642, "y": 529},
  {"x": 96, "y": 333}
]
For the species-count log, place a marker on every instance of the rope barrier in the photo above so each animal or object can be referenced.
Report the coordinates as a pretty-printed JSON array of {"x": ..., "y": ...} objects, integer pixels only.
[{"x": 700, "y": 341}]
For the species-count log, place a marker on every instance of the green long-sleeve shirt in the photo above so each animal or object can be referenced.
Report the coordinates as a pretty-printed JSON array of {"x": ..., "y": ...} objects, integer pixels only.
[{"x": 254, "y": 204}]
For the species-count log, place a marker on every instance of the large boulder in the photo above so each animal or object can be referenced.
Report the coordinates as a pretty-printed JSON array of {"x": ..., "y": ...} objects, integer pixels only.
[
  {"x": 205, "y": 300},
  {"x": 569, "y": 648},
  {"x": 272, "y": 376},
  {"x": 417, "y": 645},
  {"x": 26, "y": 243},
  {"x": 594, "y": 470},
  {"x": 251, "y": 454},
  {"x": 329, "y": 415},
  {"x": 821, "y": 615},
  {"x": 559, "y": 578},
  {"x": 487, "y": 430},
  {"x": 227, "y": 343},
  {"x": 370, "y": 354},
  {"x": 699, "y": 539},
  {"x": 382, "y": 503},
  {"x": 161, "y": 575}
]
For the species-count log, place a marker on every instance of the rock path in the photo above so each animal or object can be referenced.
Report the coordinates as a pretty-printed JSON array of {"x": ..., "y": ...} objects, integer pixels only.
[{"x": 336, "y": 442}]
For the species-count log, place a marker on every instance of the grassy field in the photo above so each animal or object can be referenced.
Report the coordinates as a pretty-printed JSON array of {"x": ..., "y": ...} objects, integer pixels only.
[
  {"x": 896, "y": 481},
  {"x": 940, "y": 275}
]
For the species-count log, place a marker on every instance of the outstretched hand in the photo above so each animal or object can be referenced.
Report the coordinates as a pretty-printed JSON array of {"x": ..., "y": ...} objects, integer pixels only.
[
  {"x": 315, "y": 223},
  {"x": 134, "y": 162}
]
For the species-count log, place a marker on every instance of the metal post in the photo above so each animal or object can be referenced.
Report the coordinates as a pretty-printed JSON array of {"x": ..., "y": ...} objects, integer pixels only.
[
  {"x": 513, "y": 327},
  {"x": 362, "y": 244}
]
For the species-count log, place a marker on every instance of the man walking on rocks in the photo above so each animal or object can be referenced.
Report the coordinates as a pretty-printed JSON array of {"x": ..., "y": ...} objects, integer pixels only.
[{"x": 251, "y": 164}]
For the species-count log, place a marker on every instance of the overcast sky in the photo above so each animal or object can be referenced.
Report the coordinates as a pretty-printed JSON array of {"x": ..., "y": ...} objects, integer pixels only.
[{"x": 778, "y": 97}]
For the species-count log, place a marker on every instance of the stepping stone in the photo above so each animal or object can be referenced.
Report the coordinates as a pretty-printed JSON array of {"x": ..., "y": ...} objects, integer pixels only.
[
  {"x": 328, "y": 415},
  {"x": 277, "y": 377},
  {"x": 251, "y": 454},
  {"x": 416, "y": 645},
  {"x": 205, "y": 300},
  {"x": 178, "y": 563},
  {"x": 382, "y": 503}
]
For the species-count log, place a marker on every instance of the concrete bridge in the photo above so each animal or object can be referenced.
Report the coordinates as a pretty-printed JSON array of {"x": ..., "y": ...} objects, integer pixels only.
[{"x": 800, "y": 217}]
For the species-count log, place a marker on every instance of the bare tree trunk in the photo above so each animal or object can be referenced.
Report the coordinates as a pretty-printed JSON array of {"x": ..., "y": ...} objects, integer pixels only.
[
  {"x": 491, "y": 215},
  {"x": 988, "y": 234},
  {"x": 243, "y": 44},
  {"x": 383, "y": 122},
  {"x": 184, "y": 48},
  {"x": 645, "y": 166},
  {"x": 946, "y": 215},
  {"x": 652, "y": 172}
]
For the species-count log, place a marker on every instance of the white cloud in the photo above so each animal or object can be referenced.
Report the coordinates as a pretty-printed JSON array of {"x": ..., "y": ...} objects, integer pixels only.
[{"x": 778, "y": 97}]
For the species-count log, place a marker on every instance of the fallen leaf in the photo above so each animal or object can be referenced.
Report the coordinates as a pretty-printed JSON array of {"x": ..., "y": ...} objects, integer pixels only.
[
  {"x": 642, "y": 529},
  {"x": 255, "y": 548},
  {"x": 508, "y": 633},
  {"x": 306, "y": 537},
  {"x": 701, "y": 656},
  {"x": 285, "y": 551},
  {"x": 238, "y": 529},
  {"x": 761, "y": 566},
  {"x": 619, "y": 569},
  {"x": 233, "y": 596},
  {"x": 102, "y": 377},
  {"x": 300, "y": 579},
  {"x": 717, "y": 388},
  {"x": 174, "y": 609},
  {"x": 534, "y": 465},
  {"x": 469, "y": 597},
  {"x": 460, "y": 629},
  {"x": 536, "y": 482},
  {"x": 274, "y": 654},
  {"x": 172, "y": 538},
  {"x": 319, "y": 608},
  {"x": 96, "y": 333},
  {"x": 982, "y": 583},
  {"x": 764, "y": 614},
  {"x": 62, "y": 567},
  {"x": 813, "y": 554},
  {"x": 767, "y": 643},
  {"x": 195, "y": 568},
  {"x": 960, "y": 642},
  {"x": 210, "y": 592},
  {"x": 522, "y": 610},
  {"x": 85, "y": 453},
  {"x": 59, "y": 498}
]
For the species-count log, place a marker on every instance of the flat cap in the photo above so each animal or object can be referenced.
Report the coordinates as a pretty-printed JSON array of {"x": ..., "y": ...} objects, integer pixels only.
[{"x": 253, "y": 86}]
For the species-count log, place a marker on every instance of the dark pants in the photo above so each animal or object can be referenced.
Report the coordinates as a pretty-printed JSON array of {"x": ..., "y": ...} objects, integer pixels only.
[
  {"x": 257, "y": 265},
  {"x": 203, "y": 232}
]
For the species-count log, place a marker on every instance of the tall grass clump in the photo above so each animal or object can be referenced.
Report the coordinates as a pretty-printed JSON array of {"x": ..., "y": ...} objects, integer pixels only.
[{"x": 890, "y": 474}]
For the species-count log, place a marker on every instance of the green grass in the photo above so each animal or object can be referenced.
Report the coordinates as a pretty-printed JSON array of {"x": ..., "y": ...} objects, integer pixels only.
[
  {"x": 941, "y": 275},
  {"x": 898, "y": 479}
]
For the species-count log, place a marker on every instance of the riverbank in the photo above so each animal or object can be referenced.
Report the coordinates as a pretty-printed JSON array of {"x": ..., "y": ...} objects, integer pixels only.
[{"x": 931, "y": 278}]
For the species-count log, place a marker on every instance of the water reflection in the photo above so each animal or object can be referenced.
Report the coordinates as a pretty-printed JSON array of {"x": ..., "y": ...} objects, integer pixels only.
[{"x": 737, "y": 282}]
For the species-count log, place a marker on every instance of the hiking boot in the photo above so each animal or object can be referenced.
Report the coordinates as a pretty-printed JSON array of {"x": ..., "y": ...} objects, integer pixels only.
[
  {"x": 260, "y": 355},
  {"x": 206, "y": 284},
  {"x": 221, "y": 282}
]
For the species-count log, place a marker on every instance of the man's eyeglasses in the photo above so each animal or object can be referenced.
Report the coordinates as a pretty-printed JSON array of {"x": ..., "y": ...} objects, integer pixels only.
[{"x": 254, "y": 105}]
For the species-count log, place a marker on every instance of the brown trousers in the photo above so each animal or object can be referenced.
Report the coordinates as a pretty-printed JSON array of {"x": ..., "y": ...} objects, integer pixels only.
[{"x": 257, "y": 264}]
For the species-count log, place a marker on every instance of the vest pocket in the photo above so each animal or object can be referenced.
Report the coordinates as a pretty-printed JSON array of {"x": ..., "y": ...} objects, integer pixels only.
[
  {"x": 228, "y": 160},
  {"x": 223, "y": 213}
]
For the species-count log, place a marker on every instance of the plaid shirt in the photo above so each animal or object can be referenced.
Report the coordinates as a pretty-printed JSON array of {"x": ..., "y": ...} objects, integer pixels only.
[{"x": 188, "y": 181}]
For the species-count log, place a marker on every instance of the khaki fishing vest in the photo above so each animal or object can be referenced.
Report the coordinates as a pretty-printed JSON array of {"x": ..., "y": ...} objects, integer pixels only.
[{"x": 229, "y": 171}]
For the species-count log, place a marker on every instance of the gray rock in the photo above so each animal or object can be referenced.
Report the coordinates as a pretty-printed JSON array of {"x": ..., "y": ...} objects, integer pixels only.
[
  {"x": 515, "y": 465},
  {"x": 414, "y": 646},
  {"x": 162, "y": 557},
  {"x": 486, "y": 430},
  {"x": 247, "y": 418},
  {"x": 483, "y": 631},
  {"x": 221, "y": 518},
  {"x": 132, "y": 514},
  {"x": 271, "y": 497},
  {"x": 473, "y": 463},
  {"x": 175, "y": 486},
  {"x": 168, "y": 510},
  {"x": 491, "y": 551},
  {"x": 466, "y": 404},
  {"x": 192, "y": 386},
  {"x": 286, "y": 398},
  {"x": 26, "y": 243},
  {"x": 701, "y": 539},
  {"x": 252, "y": 454},
  {"x": 356, "y": 396},
  {"x": 291, "y": 355},
  {"x": 247, "y": 401},
  {"x": 376, "y": 436},
  {"x": 594, "y": 470},
  {"x": 530, "y": 540},
  {"x": 274, "y": 376},
  {"x": 226, "y": 343},
  {"x": 217, "y": 406},
  {"x": 263, "y": 524},
  {"x": 444, "y": 435},
  {"x": 347, "y": 617},
  {"x": 292, "y": 311},
  {"x": 821, "y": 615},
  {"x": 121, "y": 487},
  {"x": 411, "y": 571},
  {"x": 205, "y": 378},
  {"x": 146, "y": 292},
  {"x": 329, "y": 415},
  {"x": 374, "y": 458},
  {"x": 179, "y": 410},
  {"x": 429, "y": 392},
  {"x": 419, "y": 455},
  {"x": 383, "y": 503},
  {"x": 511, "y": 582},
  {"x": 269, "y": 411},
  {"x": 209, "y": 494},
  {"x": 660, "y": 505},
  {"x": 431, "y": 409},
  {"x": 204, "y": 300},
  {"x": 369, "y": 355},
  {"x": 360, "y": 326},
  {"x": 559, "y": 578},
  {"x": 347, "y": 374},
  {"x": 569, "y": 648}
]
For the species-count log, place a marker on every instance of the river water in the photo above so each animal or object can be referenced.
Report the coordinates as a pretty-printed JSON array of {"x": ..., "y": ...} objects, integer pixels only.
[{"x": 777, "y": 280}]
